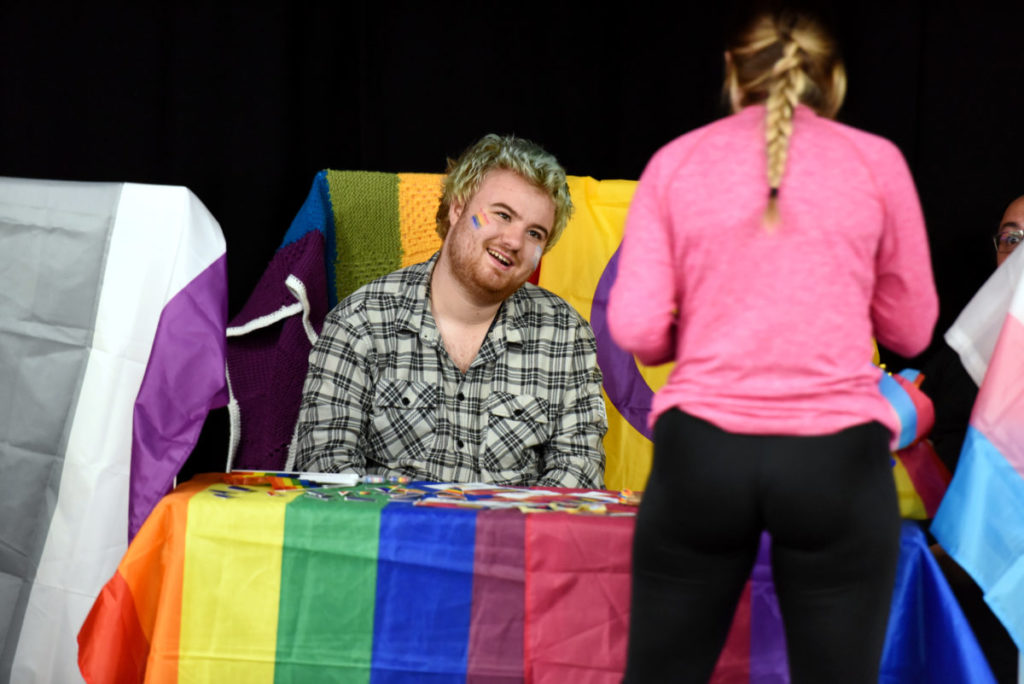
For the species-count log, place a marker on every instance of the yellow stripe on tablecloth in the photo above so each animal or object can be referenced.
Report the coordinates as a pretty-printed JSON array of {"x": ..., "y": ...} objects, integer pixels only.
[
  {"x": 419, "y": 195},
  {"x": 233, "y": 549}
]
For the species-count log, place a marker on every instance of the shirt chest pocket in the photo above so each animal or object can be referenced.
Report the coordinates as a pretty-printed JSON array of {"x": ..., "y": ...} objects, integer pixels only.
[
  {"x": 404, "y": 415},
  {"x": 517, "y": 425}
]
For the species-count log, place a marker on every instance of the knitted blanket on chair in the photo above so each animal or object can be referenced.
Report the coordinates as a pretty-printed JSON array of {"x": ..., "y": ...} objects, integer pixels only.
[{"x": 353, "y": 227}]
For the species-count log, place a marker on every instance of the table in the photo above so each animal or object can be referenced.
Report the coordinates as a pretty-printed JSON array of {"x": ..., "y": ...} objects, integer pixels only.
[{"x": 228, "y": 585}]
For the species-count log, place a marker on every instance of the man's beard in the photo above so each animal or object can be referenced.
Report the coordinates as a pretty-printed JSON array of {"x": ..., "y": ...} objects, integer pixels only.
[{"x": 470, "y": 269}]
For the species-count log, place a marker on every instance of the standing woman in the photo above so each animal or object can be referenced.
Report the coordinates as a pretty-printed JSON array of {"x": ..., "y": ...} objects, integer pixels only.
[{"x": 762, "y": 253}]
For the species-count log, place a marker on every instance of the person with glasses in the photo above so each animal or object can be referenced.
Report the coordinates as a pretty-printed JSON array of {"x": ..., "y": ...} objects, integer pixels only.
[
  {"x": 953, "y": 393},
  {"x": 1011, "y": 230},
  {"x": 762, "y": 253},
  {"x": 946, "y": 382}
]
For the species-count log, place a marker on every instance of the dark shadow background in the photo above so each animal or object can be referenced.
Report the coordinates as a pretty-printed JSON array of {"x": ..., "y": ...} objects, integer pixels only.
[{"x": 243, "y": 105}]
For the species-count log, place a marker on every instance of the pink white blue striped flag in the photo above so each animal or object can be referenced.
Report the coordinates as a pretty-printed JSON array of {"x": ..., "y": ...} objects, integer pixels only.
[{"x": 981, "y": 520}]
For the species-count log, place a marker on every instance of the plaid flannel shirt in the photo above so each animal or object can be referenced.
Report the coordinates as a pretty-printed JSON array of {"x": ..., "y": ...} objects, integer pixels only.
[{"x": 382, "y": 396}]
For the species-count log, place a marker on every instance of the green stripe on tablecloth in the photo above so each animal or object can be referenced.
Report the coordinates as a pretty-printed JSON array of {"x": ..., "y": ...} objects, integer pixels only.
[
  {"x": 366, "y": 226},
  {"x": 328, "y": 587}
]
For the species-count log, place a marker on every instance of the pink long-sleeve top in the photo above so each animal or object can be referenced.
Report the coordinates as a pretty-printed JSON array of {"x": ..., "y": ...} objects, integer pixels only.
[{"x": 771, "y": 328}]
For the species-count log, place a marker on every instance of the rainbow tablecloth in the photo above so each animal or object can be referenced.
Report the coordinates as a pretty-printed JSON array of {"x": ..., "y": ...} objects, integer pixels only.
[{"x": 255, "y": 587}]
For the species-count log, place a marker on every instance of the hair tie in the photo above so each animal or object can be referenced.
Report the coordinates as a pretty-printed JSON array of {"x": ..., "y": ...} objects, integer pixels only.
[{"x": 773, "y": 193}]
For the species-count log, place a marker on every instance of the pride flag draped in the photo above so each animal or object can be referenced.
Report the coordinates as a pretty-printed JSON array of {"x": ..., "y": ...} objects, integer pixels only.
[
  {"x": 232, "y": 584},
  {"x": 111, "y": 352},
  {"x": 981, "y": 520},
  {"x": 360, "y": 592}
]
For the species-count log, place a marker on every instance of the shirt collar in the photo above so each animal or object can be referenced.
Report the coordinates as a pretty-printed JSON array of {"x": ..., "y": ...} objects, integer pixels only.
[
  {"x": 511, "y": 317},
  {"x": 414, "y": 314}
]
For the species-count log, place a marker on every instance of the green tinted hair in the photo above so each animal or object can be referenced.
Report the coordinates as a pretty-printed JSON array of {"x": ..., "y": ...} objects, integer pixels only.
[{"x": 526, "y": 158}]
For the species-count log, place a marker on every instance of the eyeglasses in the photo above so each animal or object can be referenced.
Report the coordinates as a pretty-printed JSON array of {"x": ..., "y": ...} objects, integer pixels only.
[{"x": 1007, "y": 240}]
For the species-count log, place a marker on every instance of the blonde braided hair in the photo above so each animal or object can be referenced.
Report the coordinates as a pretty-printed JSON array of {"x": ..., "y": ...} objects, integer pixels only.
[{"x": 783, "y": 60}]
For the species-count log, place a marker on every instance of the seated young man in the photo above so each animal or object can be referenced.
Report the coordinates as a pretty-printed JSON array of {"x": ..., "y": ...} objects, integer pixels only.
[{"x": 458, "y": 369}]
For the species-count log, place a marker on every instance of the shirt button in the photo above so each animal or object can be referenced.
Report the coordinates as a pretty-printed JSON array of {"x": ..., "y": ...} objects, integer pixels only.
[
  {"x": 460, "y": 396},
  {"x": 405, "y": 400},
  {"x": 459, "y": 443}
]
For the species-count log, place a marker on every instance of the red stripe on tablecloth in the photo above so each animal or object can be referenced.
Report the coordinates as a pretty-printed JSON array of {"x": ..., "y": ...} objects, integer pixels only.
[
  {"x": 133, "y": 630},
  {"x": 112, "y": 646},
  {"x": 577, "y": 598}
]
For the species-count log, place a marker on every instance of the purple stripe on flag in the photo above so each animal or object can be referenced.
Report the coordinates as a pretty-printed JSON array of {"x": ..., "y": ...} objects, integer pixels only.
[
  {"x": 623, "y": 383},
  {"x": 496, "y": 618},
  {"x": 184, "y": 379},
  {"x": 767, "y": 638}
]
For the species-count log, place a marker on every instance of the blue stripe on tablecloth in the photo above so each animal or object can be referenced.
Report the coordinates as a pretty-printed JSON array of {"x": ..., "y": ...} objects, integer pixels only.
[{"x": 424, "y": 594}]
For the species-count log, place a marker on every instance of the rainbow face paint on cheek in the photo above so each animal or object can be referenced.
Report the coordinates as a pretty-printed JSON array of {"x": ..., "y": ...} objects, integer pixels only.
[
  {"x": 537, "y": 251},
  {"x": 479, "y": 220}
]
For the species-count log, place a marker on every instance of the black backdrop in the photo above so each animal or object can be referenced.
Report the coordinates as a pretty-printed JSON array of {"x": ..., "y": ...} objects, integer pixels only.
[{"x": 243, "y": 105}]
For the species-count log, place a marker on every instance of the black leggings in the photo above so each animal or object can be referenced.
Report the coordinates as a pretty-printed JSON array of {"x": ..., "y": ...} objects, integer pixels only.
[{"x": 830, "y": 505}]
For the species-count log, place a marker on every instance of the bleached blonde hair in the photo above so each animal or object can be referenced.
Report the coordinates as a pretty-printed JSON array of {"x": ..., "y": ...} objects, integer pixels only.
[
  {"x": 783, "y": 59},
  {"x": 526, "y": 158}
]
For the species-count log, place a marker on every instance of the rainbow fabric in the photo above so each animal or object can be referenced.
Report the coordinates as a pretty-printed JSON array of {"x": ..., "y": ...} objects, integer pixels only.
[
  {"x": 359, "y": 592},
  {"x": 260, "y": 586},
  {"x": 981, "y": 520}
]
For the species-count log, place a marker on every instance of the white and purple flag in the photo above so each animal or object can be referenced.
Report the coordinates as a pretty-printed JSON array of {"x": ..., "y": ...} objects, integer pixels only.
[
  {"x": 113, "y": 307},
  {"x": 981, "y": 519}
]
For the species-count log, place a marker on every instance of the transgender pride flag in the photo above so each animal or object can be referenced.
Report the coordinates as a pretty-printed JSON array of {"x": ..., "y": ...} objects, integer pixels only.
[
  {"x": 112, "y": 315},
  {"x": 981, "y": 520}
]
